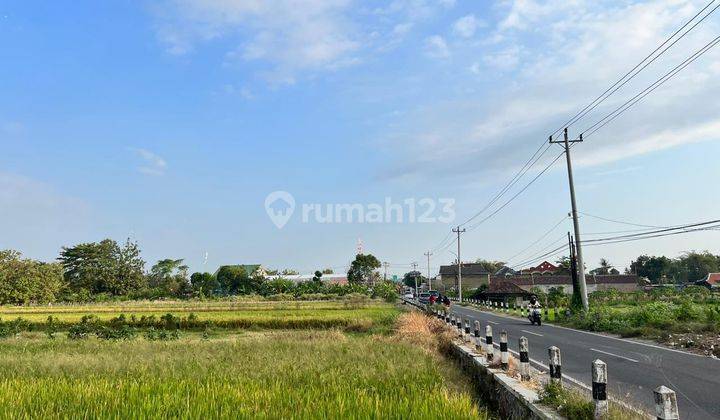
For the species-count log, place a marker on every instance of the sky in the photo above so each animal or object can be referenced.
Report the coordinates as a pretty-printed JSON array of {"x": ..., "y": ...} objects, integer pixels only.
[{"x": 171, "y": 122}]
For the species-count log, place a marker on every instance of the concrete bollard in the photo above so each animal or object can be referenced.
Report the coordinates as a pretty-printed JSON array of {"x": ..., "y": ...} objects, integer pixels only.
[
  {"x": 489, "y": 350},
  {"x": 447, "y": 318},
  {"x": 524, "y": 359},
  {"x": 452, "y": 321},
  {"x": 478, "y": 342},
  {"x": 459, "y": 327},
  {"x": 599, "y": 388},
  {"x": 555, "y": 365},
  {"x": 666, "y": 407},
  {"x": 468, "y": 337},
  {"x": 522, "y": 311},
  {"x": 504, "y": 359},
  {"x": 507, "y": 308}
]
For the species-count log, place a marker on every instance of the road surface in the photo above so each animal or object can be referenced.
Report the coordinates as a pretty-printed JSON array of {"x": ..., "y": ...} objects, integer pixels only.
[{"x": 634, "y": 368}]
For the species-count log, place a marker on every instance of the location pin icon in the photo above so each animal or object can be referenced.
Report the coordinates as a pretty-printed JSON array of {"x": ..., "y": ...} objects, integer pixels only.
[{"x": 279, "y": 206}]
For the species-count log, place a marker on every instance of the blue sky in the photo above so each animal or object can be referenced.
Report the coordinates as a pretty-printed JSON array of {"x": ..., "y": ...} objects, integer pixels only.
[{"x": 171, "y": 121}]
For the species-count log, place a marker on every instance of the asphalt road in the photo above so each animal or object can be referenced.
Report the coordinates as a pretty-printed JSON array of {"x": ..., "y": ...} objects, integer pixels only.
[{"x": 634, "y": 368}]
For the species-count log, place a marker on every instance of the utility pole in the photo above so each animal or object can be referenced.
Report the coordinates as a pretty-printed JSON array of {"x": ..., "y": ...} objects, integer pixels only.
[
  {"x": 576, "y": 225},
  {"x": 459, "y": 231},
  {"x": 428, "y": 254},
  {"x": 414, "y": 266},
  {"x": 385, "y": 265}
]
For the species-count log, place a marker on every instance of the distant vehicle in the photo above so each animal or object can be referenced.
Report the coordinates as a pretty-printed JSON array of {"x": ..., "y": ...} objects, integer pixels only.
[
  {"x": 434, "y": 293},
  {"x": 409, "y": 295},
  {"x": 424, "y": 297}
]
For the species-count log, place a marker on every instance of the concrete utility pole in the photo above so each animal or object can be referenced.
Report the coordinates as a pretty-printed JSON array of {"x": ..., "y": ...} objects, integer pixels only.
[
  {"x": 459, "y": 231},
  {"x": 576, "y": 225},
  {"x": 414, "y": 266},
  {"x": 428, "y": 254},
  {"x": 385, "y": 266}
]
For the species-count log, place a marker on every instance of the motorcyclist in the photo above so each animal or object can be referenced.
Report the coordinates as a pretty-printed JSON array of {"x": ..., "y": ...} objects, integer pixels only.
[{"x": 534, "y": 309}]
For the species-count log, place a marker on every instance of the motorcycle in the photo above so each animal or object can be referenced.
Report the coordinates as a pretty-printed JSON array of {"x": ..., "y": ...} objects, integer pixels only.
[{"x": 535, "y": 316}]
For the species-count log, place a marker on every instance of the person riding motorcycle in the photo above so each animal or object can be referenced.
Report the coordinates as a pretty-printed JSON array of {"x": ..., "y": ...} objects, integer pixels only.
[{"x": 534, "y": 313}]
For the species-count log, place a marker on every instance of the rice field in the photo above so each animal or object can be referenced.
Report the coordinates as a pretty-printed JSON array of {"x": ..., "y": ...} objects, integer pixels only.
[
  {"x": 301, "y": 373},
  {"x": 245, "y": 315}
]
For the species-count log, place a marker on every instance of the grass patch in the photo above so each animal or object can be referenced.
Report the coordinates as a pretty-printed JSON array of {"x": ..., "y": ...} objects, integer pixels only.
[
  {"x": 575, "y": 405},
  {"x": 273, "y": 374}
]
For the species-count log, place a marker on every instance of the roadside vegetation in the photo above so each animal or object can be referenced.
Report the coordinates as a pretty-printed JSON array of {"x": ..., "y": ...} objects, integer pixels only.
[{"x": 578, "y": 405}]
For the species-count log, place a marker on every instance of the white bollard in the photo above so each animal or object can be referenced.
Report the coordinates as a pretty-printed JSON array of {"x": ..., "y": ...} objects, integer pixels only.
[
  {"x": 489, "y": 350},
  {"x": 468, "y": 337},
  {"x": 555, "y": 365},
  {"x": 478, "y": 342},
  {"x": 666, "y": 407},
  {"x": 504, "y": 358},
  {"x": 599, "y": 388},
  {"x": 524, "y": 359}
]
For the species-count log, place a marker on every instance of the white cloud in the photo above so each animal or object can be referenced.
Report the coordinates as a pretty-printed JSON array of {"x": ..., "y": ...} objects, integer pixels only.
[
  {"x": 506, "y": 59},
  {"x": 153, "y": 164},
  {"x": 466, "y": 26},
  {"x": 436, "y": 47},
  {"x": 557, "y": 69},
  {"x": 293, "y": 37}
]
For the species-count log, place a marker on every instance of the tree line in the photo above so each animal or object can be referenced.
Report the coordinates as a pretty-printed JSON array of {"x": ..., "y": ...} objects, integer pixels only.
[{"x": 107, "y": 269}]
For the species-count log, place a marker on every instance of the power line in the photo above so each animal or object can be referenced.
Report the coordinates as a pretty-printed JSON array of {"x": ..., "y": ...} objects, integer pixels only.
[
  {"x": 648, "y": 90},
  {"x": 518, "y": 193},
  {"x": 656, "y": 236},
  {"x": 670, "y": 229},
  {"x": 632, "y": 73},
  {"x": 620, "y": 221},
  {"x": 551, "y": 230}
]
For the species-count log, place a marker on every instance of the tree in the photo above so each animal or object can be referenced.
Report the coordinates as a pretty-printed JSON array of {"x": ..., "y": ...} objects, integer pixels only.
[
  {"x": 691, "y": 266},
  {"x": 289, "y": 272},
  {"x": 604, "y": 268},
  {"x": 362, "y": 269},
  {"x": 317, "y": 276},
  {"x": 410, "y": 276},
  {"x": 490, "y": 266},
  {"x": 328, "y": 271},
  {"x": 24, "y": 281},
  {"x": 654, "y": 268},
  {"x": 103, "y": 267},
  {"x": 233, "y": 280},
  {"x": 171, "y": 276},
  {"x": 563, "y": 265},
  {"x": 204, "y": 283}
]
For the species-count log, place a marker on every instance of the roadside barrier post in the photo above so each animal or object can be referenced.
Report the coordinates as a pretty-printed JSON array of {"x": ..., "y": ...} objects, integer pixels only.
[
  {"x": 599, "y": 388},
  {"x": 555, "y": 365},
  {"x": 504, "y": 359},
  {"x": 489, "y": 350},
  {"x": 467, "y": 330},
  {"x": 522, "y": 311},
  {"x": 507, "y": 308},
  {"x": 447, "y": 318},
  {"x": 459, "y": 327},
  {"x": 478, "y": 343},
  {"x": 524, "y": 359},
  {"x": 666, "y": 407},
  {"x": 452, "y": 321}
]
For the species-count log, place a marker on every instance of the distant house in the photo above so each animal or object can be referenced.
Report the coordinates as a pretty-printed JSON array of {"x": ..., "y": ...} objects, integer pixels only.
[
  {"x": 505, "y": 292},
  {"x": 620, "y": 282},
  {"x": 543, "y": 268},
  {"x": 506, "y": 271},
  {"x": 711, "y": 281},
  {"x": 473, "y": 276}
]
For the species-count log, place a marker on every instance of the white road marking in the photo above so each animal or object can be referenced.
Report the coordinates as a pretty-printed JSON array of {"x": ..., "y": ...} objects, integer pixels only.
[
  {"x": 493, "y": 322},
  {"x": 615, "y": 355},
  {"x": 533, "y": 333}
]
